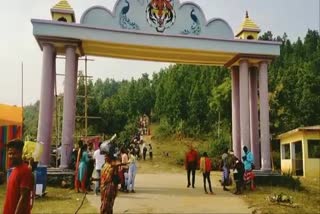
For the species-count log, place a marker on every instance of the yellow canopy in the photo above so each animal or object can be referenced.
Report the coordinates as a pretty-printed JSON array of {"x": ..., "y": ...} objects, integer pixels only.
[{"x": 10, "y": 115}]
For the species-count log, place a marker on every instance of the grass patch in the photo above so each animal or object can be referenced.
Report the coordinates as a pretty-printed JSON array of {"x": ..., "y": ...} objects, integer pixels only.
[
  {"x": 286, "y": 180},
  {"x": 168, "y": 152},
  {"x": 307, "y": 203},
  {"x": 57, "y": 200}
]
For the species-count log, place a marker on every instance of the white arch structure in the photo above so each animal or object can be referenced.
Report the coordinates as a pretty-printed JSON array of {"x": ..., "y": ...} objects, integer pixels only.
[{"x": 180, "y": 34}]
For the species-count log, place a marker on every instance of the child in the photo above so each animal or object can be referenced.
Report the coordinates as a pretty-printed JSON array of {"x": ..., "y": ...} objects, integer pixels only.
[
  {"x": 150, "y": 151},
  {"x": 144, "y": 151},
  {"x": 205, "y": 168},
  {"x": 238, "y": 172}
]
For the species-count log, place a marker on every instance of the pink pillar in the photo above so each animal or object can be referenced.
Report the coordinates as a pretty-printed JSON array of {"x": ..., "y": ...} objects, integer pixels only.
[
  {"x": 244, "y": 104},
  {"x": 69, "y": 105},
  {"x": 264, "y": 117},
  {"x": 46, "y": 102},
  {"x": 253, "y": 105},
  {"x": 236, "y": 143}
]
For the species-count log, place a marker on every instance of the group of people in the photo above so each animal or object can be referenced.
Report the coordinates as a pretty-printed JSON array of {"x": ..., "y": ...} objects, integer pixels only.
[
  {"x": 242, "y": 169},
  {"x": 114, "y": 170},
  {"x": 192, "y": 162},
  {"x": 141, "y": 149},
  {"x": 144, "y": 125},
  {"x": 139, "y": 146}
]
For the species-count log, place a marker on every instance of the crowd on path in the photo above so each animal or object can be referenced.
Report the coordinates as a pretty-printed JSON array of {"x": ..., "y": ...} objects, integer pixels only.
[
  {"x": 115, "y": 168},
  {"x": 242, "y": 169}
]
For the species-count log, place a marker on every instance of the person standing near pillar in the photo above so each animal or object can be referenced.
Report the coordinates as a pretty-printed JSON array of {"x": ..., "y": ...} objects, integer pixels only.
[
  {"x": 238, "y": 172},
  {"x": 78, "y": 156},
  {"x": 90, "y": 166},
  {"x": 83, "y": 169},
  {"x": 191, "y": 161},
  {"x": 248, "y": 161},
  {"x": 225, "y": 167}
]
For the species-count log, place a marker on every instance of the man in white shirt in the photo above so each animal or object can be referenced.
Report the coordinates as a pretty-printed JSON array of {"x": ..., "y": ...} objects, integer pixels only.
[
  {"x": 124, "y": 169},
  {"x": 99, "y": 161}
]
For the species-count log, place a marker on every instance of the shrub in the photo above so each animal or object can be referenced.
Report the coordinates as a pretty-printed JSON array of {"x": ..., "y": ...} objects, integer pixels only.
[
  {"x": 216, "y": 162},
  {"x": 276, "y": 159},
  {"x": 285, "y": 180},
  {"x": 129, "y": 130},
  {"x": 217, "y": 147},
  {"x": 164, "y": 130},
  {"x": 180, "y": 161}
]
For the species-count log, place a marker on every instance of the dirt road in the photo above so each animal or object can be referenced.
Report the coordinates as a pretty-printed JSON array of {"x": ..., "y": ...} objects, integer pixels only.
[{"x": 167, "y": 193}]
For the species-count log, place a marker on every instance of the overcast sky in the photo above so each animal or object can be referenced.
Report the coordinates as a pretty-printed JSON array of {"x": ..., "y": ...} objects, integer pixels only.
[{"x": 17, "y": 43}]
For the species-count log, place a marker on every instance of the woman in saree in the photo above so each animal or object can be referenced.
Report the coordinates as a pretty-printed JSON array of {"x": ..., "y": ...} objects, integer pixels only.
[
  {"x": 109, "y": 183},
  {"x": 83, "y": 169},
  {"x": 77, "y": 162}
]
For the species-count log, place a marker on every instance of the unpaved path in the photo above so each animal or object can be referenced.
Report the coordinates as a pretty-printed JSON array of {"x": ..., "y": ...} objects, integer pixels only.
[{"x": 167, "y": 193}]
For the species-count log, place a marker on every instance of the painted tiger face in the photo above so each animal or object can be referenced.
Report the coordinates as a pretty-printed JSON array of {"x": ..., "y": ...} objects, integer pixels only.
[{"x": 160, "y": 14}]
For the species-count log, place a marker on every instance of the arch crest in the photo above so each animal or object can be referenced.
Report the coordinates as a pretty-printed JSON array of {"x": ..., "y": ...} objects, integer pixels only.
[{"x": 167, "y": 17}]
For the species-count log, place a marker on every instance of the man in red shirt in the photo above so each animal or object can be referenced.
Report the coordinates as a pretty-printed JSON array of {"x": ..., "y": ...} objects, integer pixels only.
[
  {"x": 190, "y": 164},
  {"x": 20, "y": 182}
]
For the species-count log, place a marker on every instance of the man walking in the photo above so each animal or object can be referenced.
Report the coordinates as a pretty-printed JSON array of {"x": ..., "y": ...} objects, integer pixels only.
[
  {"x": 20, "y": 182},
  {"x": 191, "y": 161},
  {"x": 205, "y": 168}
]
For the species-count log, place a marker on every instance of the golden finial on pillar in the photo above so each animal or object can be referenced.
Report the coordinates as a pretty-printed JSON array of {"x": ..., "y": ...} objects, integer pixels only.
[
  {"x": 248, "y": 29},
  {"x": 63, "y": 12}
]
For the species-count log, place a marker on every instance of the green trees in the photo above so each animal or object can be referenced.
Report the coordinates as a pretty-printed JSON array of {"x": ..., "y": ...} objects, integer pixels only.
[
  {"x": 294, "y": 84},
  {"x": 187, "y": 98},
  {"x": 30, "y": 120}
]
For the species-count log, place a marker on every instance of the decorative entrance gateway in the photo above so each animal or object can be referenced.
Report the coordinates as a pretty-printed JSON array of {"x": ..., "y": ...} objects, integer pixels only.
[{"x": 157, "y": 30}]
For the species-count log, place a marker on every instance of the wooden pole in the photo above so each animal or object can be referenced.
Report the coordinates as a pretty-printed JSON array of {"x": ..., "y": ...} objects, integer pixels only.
[
  {"x": 85, "y": 100},
  {"x": 57, "y": 106},
  {"x": 22, "y": 86},
  {"x": 22, "y": 99}
]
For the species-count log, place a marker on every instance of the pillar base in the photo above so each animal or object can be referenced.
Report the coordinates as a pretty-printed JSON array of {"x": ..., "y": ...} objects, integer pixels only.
[
  {"x": 63, "y": 166},
  {"x": 266, "y": 169}
]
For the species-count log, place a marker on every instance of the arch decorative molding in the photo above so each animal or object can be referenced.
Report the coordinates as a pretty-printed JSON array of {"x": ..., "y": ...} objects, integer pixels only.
[{"x": 166, "y": 17}]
